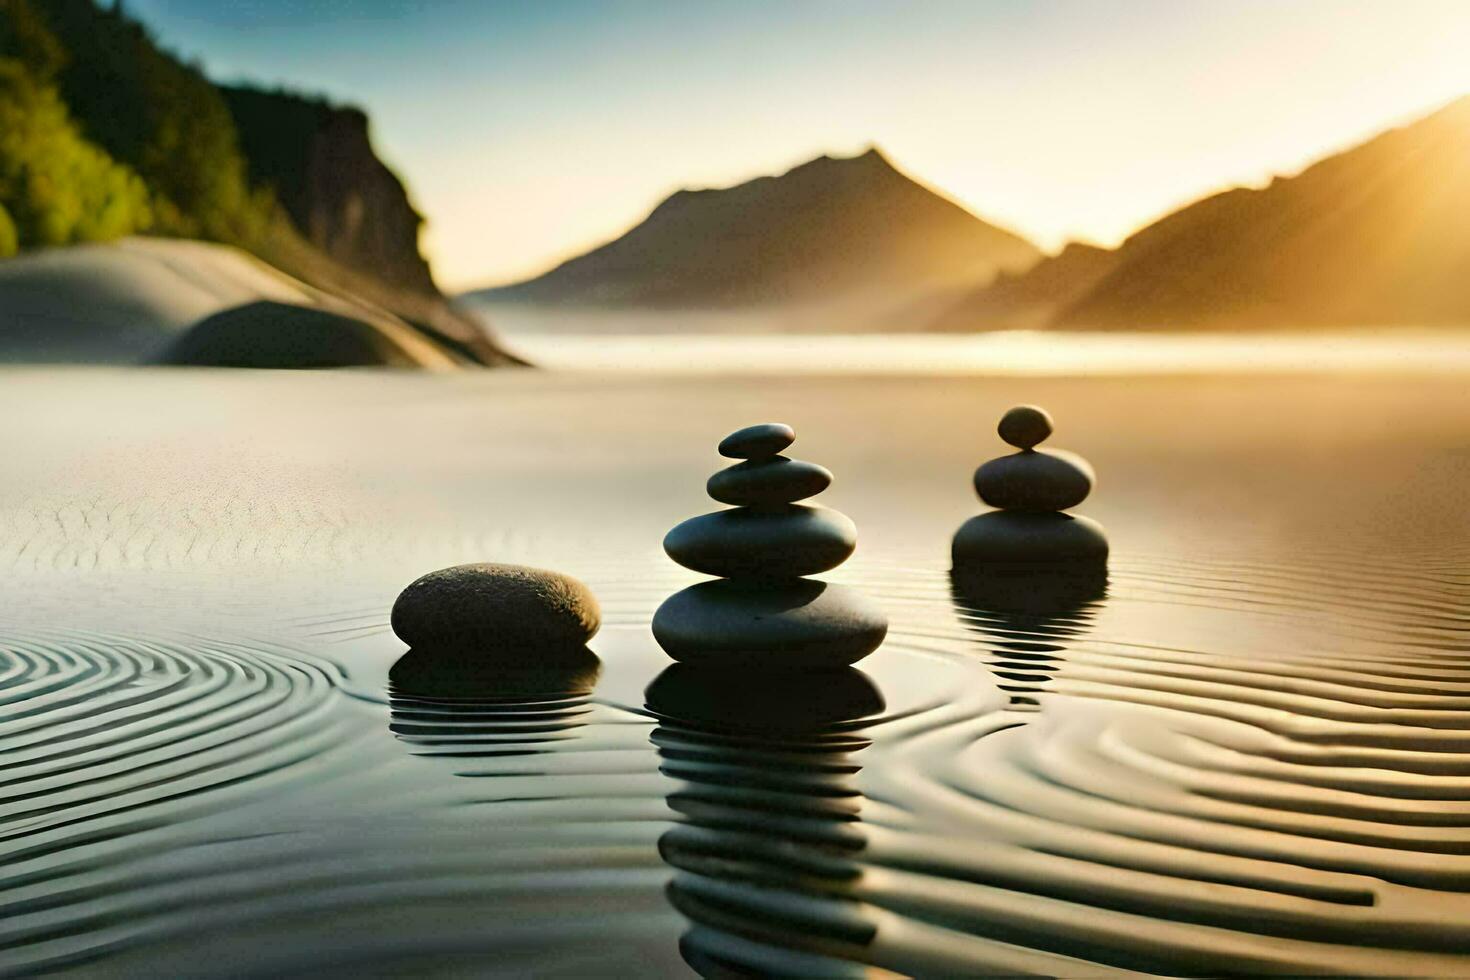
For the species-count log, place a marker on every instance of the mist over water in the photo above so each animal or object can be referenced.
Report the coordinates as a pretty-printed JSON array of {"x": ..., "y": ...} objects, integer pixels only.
[{"x": 1010, "y": 352}]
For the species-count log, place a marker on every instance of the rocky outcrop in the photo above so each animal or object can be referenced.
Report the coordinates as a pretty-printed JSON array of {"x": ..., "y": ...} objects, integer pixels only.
[
  {"x": 319, "y": 161},
  {"x": 289, "y": 336}
]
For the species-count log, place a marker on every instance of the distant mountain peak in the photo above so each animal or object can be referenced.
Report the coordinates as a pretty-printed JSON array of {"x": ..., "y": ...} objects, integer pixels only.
[
  {"x": 832, "y": 227},
  {"x": 872, "y": 160},
  {"x": 869, "y": 155}
]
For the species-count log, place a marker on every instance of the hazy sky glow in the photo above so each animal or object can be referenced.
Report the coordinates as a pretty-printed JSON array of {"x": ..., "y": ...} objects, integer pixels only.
[{"x": 529, "y": 131}]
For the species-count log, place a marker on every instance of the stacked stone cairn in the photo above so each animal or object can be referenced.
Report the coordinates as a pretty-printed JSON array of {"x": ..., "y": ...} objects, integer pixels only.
[
  {"x": 1030, "y": 489},
  {"x": 763, "y": 611}
]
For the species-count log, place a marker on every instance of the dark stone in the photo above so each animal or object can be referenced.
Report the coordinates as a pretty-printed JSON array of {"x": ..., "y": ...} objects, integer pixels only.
[
  {"x": 1035, "y": 594},
  {"x": 1028, "y": 616},
  {"x": 1003, "y": 537},
  {"x": 429, "y": 675},
  {"x": 507, "y": 613},
  {"x": 288, "y": 336},
  {"x": 1034, "y": 480},
  {"x": 776, "y": 480},
  {"x": 757, "y": 441},
  {"x": 319, "y": 161},
  {"x": 1025, "y": 426},
  {"x": 785, "y": 542},
  {"x": 799, "y": 624},
  {"x": 811, "y": 702}
]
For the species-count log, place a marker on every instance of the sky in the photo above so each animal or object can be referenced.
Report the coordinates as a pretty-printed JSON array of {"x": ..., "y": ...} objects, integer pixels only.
[{"x": 528, "y": 132}]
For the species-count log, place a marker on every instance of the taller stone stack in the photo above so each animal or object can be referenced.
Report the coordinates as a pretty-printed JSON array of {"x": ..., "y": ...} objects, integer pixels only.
[
  {"x": 763, "y": 611},
  {"x": 1030, "y": 488}
]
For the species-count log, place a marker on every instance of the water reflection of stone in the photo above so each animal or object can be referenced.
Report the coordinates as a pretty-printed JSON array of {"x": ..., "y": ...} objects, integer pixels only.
[
  {"x": 442, "y": 708},
  {"x": 766, "y": 861},
  {"x": 1027, "y": 616}
]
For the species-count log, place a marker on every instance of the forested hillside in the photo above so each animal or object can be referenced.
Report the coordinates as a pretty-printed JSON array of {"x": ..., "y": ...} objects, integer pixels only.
[
  {"x": 103, "y": 133},
  {"x": 107, "y": 135}
]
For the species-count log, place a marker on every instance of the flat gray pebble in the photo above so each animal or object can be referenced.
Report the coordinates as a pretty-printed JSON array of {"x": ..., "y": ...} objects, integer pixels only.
[
  {"x": 775, "y": 480},
  {"x": 786, "y": 542},
  {"x": 1035, "y": 480},
  {"x": 801, "y": 624},
  {"x": 1012, "y": 538},
  {"x": 757, "y": 441}
]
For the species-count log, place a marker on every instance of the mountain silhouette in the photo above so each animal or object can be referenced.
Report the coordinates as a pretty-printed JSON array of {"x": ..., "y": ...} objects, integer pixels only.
[
  {"x": 831, "y": 228},
  {"x": 1020, "y": 301},
  {"x": 1378, "y": 235}
]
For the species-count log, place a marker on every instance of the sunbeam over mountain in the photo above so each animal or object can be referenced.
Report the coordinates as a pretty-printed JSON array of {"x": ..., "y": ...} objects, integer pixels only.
[{"x": 1377, "y": 235}]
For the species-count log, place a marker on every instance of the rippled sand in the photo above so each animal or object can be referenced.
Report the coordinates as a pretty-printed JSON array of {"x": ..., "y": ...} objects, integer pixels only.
[{"x": 1245, "y": 751}]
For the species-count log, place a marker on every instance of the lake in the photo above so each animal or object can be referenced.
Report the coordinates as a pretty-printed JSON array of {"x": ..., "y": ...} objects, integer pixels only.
[{"x": 1247, "y": 750}]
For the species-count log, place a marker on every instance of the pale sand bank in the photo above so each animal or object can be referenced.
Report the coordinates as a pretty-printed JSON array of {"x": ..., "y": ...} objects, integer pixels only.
[
  {"x": 122, "y": 302},
  {"x": 130, "y": 301}
]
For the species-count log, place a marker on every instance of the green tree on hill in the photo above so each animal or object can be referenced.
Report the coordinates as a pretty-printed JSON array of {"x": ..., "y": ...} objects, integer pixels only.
[
  {"x": 9, "y": 236},
  {"x": 25, "y": 36},
  {"x": 55, "y": 187},
  {"x": 162, "y": 117}
]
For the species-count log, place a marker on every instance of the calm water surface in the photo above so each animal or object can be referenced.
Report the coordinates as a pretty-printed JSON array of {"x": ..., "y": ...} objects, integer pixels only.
[{"x": 1246, "y": 750}]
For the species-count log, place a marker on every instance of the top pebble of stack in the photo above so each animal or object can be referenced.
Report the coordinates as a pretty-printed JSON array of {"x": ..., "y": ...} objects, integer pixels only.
[
  {"x": 1024, "y": 426},
  {"x": 757, "y": 441}
]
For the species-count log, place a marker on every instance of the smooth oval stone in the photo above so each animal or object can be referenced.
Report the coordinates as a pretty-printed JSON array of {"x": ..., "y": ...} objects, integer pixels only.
[
  {"x": 776, "y": 480},
  {"x": 1035, "y": 480},
  {"x": 785, "y": 542},
  {"x": 757, "y": 441},
  {"x": 800, "y": 624},
  {"x": 1025, "y": 426},
  {"x": 510, "y": 613},
  {"x": 1004, "y": 537}
]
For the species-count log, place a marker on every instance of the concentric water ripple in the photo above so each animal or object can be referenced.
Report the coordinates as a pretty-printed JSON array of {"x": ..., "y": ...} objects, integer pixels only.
[
  {"x": 1286, "y": 793},
  {"x": 98, "y": 728},
  {"x": 1294, "y": 805},
  {"x": 106, "y": 741},
  {"x": 230, "y": 791},
  {"x": 1223, "y": 766}
]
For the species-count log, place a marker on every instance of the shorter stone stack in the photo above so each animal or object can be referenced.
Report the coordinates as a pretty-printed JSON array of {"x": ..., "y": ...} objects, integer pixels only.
[
  {"x": 763, "y": 611},
  {"x": 1031, "y": 488}
]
